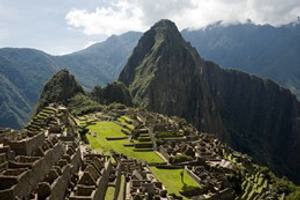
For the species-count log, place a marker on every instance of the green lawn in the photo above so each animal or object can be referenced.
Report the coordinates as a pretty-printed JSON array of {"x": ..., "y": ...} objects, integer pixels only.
[
  {"x": 110, "y": 192},
  {"x": 171, "y": 179},
  {"x": 111, "y": 129},
  {"x": 121, "y": 192}
]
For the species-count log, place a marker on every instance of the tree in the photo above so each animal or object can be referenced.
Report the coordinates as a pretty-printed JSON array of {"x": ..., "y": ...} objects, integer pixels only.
[{"x": 182, "y": 177}]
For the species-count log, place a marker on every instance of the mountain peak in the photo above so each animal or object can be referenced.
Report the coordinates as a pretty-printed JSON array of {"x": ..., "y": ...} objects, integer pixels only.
[
  {"x": 165, "y": 24},
  {"x": 162, "y": 42},
  {"x": 166, "y": 30},
  {"x": 62, "y": 73},
  {"x": 60, "y": 88}
]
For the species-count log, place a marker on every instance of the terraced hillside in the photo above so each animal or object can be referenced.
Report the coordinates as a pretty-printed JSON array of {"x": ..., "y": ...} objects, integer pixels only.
[{"x": 43, "y": 118}]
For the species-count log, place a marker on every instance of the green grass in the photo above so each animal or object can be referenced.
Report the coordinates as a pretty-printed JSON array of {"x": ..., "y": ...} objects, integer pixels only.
[
  {"x": 123, "y": 119},
  {"x": 171, "y": 179},
  {"x": 110, "y": 129},
  {"x": 121, "y": 192},
  {"x": 110, "y": 192}
]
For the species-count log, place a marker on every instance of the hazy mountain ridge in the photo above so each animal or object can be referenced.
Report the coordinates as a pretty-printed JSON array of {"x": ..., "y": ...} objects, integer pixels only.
[
  {"x": 104, "y": 60},
  {"x": 264, "y": 50},
  {"x": 21, "y": 84},
  {"x": 166, "y": 75},
  {"x": 14, "y": 108}
]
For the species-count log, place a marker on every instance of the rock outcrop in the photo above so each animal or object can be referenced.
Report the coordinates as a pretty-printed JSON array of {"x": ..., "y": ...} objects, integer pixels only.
[
  {"x": 165, "y": 74},
  {"x": 59, "y": 89}
]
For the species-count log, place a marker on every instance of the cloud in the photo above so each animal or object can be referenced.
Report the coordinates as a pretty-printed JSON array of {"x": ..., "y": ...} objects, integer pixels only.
[
  {"x": 120, "y": 16},
  {"x": 116, "y": 18}
]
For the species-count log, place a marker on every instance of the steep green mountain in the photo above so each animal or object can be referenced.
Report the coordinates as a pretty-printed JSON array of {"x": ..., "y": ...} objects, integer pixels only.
[
  {"x": 26, "y": 69},
  {"x": 264, "y": 50},
  {"x": 165, "y": 74},
  {"x": 14, "y": 108},
  {"x": 59, "y": 89},
  {"x": 24, "y": 72}
]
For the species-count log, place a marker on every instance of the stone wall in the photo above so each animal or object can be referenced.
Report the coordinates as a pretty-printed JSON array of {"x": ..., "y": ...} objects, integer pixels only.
[
  {"x": 60, "y": 185},
  {"x": 76, "y": 161},
  {"x": 194, "y": 176},
  {"x": 118, "y": 181},
  {"x": 27, "y": 146},
  {"x": 226, "y": 194},
  {"x": 87, "y": 190},
  {"x": 101, "y": 190},
  {"x": 163, "y": 152},
  {"x": 27, "y": 179}
]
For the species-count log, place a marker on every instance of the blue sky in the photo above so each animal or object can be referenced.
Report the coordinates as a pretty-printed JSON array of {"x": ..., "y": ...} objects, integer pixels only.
[
  {"x": 41, "y": 24},
  {"x": 63, "y": 26}
]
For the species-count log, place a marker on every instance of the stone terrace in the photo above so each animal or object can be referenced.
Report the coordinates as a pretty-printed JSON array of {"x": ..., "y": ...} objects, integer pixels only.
[{"x": 36, "y": 163}]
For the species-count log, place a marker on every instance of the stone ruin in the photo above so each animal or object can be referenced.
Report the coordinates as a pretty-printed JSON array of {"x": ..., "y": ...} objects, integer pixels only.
[
  {"x": 206, "y": 159},
  {"x": 46, "y": 161},
  {"x": 36, "y": 164},
  {"x": 93, "y": 178},
  {"x": 140, "y": 182},
  {"x": 42, "y": 160}
]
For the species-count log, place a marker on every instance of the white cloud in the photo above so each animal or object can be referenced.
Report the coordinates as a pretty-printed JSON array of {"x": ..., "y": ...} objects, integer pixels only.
[
  {"x": 116, "y": 18},
  {"x": 120, "y": 16}
]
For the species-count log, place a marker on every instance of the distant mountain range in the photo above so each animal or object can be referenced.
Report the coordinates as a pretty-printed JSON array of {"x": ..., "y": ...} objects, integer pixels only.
[{"x": 264, "y": 50}]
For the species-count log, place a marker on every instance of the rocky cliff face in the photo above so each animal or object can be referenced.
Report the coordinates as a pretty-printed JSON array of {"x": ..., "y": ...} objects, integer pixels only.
[
  {"x": 165, "y": 74},
  {"x": 59, "y": 89},
  {"x": 260, "y": 117}
]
